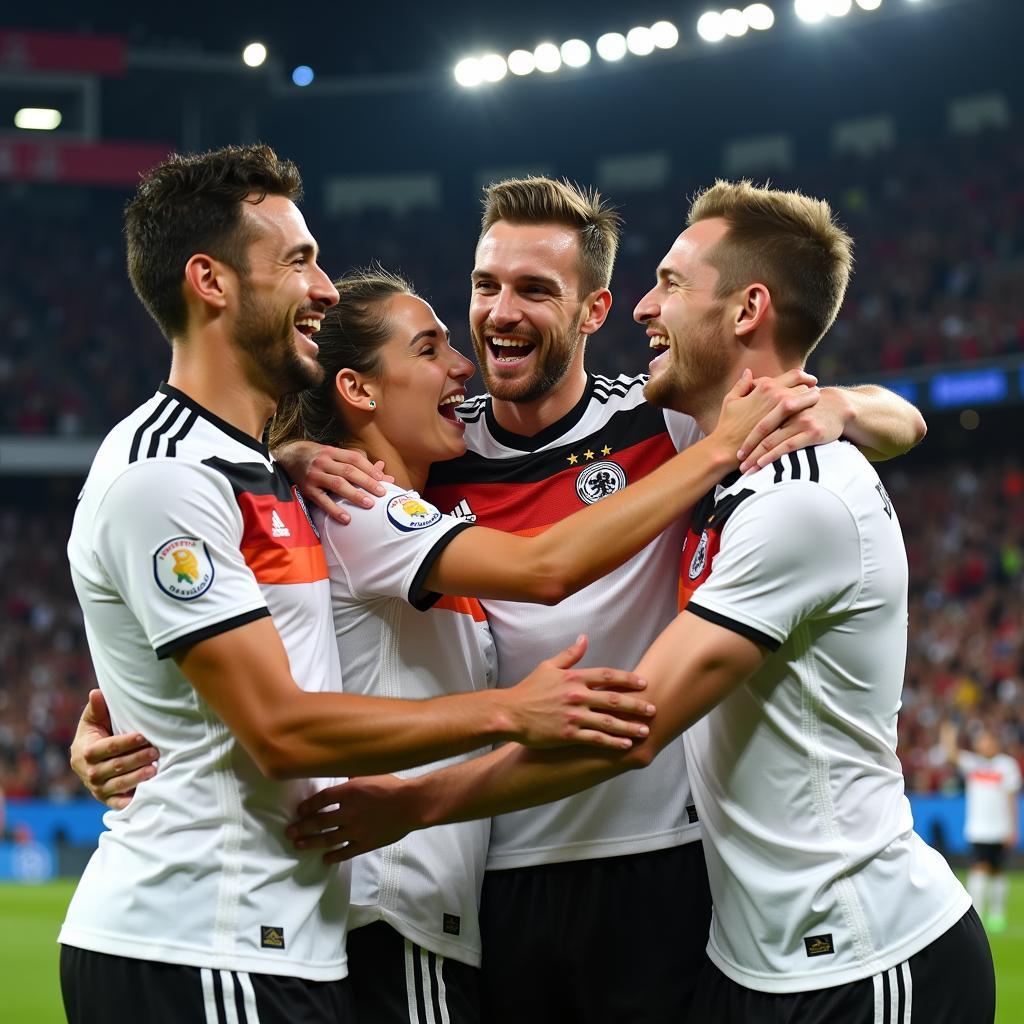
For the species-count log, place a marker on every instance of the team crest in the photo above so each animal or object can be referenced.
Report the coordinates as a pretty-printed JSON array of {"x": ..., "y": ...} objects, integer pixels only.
[
  {"x": 600, "y": 480},
  {"x": 700, "y": 556},
  {"x": 183, "y": 568},
  {"x": 408, "y": 512}
]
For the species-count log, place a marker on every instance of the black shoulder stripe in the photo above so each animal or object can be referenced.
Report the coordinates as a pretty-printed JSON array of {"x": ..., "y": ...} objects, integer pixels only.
[
  {"x": 812, "y": 462},
  {"x": 777, "y": 466},
  {"x": 157, "y": 436},
  {"x": 717, "y": 516},
  {"x": 172, "y": 445},
  {"x": 133, "y": 454},
  {"x": 473, "y": 414},
  {"x": 794, "y": 466}
]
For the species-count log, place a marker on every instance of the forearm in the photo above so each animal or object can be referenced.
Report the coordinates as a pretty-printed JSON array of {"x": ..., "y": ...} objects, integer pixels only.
[
  {"x": 592, "y": 542},
  {"x": 320, "y": 734},
  {"x": 882, "y": 424}
]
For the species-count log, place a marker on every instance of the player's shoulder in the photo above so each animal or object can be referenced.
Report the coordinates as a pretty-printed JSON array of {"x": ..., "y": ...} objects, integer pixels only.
[
  {"x": 400, "y": 511},
  {"x": 624, "y": 391}
]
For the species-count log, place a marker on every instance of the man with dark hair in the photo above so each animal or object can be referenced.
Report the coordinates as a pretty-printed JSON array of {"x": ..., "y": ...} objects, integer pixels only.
[
  {"x": 782, "y": 676},
  {"x": 205, "y": 595},
  {"x": 548, "y": 439}
]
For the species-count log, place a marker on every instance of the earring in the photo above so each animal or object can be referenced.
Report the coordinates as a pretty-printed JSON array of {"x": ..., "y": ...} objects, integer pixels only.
[{"x": 373, "y": 404}]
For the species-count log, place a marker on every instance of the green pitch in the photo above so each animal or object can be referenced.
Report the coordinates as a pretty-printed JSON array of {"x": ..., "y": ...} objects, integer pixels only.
[{"x": 30, "y": 917}]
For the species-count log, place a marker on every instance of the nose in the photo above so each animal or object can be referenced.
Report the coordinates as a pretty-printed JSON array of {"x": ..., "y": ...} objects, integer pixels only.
[
  {"x": 461, "y": 368},
  {"x": 323, "y": 290},
  {"x": 647, "y": 308},
  {"x": 506, "y": 311}
]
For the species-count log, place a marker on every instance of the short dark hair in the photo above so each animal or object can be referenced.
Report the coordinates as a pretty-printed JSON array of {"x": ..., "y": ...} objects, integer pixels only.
[
  {"x": 351, "y": 337},
  {"x": 193, "y": 203},
  {"x": 547, "y": 201}
]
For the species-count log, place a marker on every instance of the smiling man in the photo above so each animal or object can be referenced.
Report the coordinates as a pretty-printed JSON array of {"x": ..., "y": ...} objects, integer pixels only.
[{"x": 782, "y": 676}]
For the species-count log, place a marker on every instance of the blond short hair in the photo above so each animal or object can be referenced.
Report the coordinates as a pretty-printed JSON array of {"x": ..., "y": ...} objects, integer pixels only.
[
  {"x": 787, "y": 241},
  {"x": 546, "y": 201}
]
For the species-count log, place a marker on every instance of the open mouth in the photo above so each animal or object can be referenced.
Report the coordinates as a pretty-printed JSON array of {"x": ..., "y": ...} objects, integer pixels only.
[
  {"x": 446, "y": 408},
  {"x": 307, "y": 327},
  {"x": 659, "y": 345},
  {"x": 508, "y": 349}
]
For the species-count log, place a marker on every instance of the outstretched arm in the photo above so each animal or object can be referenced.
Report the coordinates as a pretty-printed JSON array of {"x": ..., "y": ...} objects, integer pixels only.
[
  {"x": 692, "y": 666},
  {"x": 878, "y": 421}
]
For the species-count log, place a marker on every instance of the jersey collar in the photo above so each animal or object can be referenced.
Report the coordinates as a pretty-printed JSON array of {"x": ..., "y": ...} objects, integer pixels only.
[
  {"x": 239, "y": 435},
  {"x": 548, "y": 434}
]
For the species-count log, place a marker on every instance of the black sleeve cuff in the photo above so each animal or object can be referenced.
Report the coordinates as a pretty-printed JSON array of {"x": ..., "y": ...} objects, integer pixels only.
[
  {"x": 422, "y": 599},
  {"x": 225, "y": 626},
  {"x": 737, "y": 627}
]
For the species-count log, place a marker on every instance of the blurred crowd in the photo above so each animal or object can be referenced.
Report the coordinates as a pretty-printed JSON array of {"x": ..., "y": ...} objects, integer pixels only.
[
  {"x": 964, "y": 528},
  {"x": 939, "y": 277}
]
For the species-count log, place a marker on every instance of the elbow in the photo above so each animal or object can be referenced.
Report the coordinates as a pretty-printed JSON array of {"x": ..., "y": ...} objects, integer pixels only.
[
  {"x": 274, "y": 761},
  {"x": 919, "y": 428},
  {"x": 641, "y": 754},
  {"x": 549, "y": 583}
]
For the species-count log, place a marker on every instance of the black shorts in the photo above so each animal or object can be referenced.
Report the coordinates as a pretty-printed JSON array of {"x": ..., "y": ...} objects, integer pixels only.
[
  {"x": 394, "y": 981},
  {"x": 992, "y": 854},
  {"x": 952, "y": 981},
  {"x": 615, "y": 939},
  {"x": 99, "y": 988}
]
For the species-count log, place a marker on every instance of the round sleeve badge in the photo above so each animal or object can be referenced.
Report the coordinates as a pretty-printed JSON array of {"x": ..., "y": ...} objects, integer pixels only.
[
  {"x": 183, "y": 568},
  {"x": 407, "y": 512}
]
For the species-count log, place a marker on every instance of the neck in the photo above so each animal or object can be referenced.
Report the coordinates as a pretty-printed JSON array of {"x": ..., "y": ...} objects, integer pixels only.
[
  {"x": 529, "y": 418},
  {"x": 409, "y": 475},
  {"x": 706, "y": 409},
  {"x": 211, "y": 373}
]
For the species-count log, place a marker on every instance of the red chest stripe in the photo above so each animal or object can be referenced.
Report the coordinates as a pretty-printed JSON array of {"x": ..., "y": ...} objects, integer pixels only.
[
  {"x": 463, "y": 605},
  {"x": 278, "y": 544}
]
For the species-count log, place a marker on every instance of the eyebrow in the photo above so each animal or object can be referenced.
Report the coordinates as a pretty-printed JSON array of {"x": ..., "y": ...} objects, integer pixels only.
[
  {"x": 303, "y": 249},
  {"x": 432, "y": 333},
  {"x": 548, "y": 282},
  {"x": 665, "y": 272}
]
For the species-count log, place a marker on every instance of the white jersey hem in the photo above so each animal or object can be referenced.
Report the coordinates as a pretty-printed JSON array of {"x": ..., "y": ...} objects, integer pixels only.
[
  {"x": 594, "y": 849},
  {"x": 445, "y": 946},
  {"x": 184, "y": 956},
  {"x": 812, "y": 982}
]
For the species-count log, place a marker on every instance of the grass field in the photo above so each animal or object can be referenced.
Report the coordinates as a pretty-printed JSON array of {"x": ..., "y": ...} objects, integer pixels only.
[{"x": 30, "y": 917}]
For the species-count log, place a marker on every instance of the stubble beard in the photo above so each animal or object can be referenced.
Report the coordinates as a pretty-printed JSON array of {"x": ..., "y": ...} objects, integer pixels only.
[
  {"x": 695, "y": 376},
  {"x": 550, "y": 370},
  {"x": 278, "y": 367}
]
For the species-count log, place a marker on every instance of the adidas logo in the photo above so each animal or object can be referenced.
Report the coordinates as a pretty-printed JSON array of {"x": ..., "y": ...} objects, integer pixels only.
[
  {"x": 277, "y": 527},
  {"x": 463, "y": 511}
]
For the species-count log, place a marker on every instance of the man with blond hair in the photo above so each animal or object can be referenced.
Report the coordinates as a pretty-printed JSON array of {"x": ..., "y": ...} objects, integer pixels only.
[{"x": 600, "y": 898}]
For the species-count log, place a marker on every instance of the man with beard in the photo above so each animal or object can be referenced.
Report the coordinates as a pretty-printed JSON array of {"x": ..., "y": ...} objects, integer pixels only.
[
  {"x": 782, "y": 675},
  {"x": 564, "y": 879},
  {"x": 205, "y": 596}
]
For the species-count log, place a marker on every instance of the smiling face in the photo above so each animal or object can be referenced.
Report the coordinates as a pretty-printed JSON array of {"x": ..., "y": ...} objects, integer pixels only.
[
  {"x": 422, "y": 382},
  {"x": 282, "y": 299},
  {"x": 525, "y": 314},
  {"x": 687, "y": 325}
]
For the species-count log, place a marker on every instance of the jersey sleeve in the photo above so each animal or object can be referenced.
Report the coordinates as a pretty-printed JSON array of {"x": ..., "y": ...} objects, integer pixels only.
[
  {"x": 682, "y": 428},
  {"x": 388, "y": 550},
  {"x": 787, "y": 554},
  {"x": 167, "y": 536},
  {"x": 1012, "y": 775}
]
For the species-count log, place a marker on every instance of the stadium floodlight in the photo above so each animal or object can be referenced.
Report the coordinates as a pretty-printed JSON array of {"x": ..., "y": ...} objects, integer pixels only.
[
  {"x": 37, "y": 119},
  {"x": 468, "y": 73},
  {"x": 521, "y": 62},
  {"x": 734, "y": 23},
  {"x": 710, "y": 27},
  {"x": 493, "y": 68},
  {"x": 254, "y": 54},
  {"x": 612, "y": 46},
  {"x": 575, "y": 53},
  {"x": 665, "y": 35},
  {"x": 761, "y": 17},
  {"x": 640, "y": 41},
  {"x": 838, "y": 8},
  {"x": 811, "y": 11},
  {"x": 869, "y": 5},
  {"x": 547, "y": 57},
  {"x": 302, "y": 75}
]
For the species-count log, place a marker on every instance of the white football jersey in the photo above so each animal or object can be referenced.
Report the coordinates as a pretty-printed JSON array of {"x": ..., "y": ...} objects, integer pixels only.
[
  {"x": 186, "y": 529},
  {"x": 989, "y": 785},
  {"x": 523, "y": 485},
  {"x": 396, "y": 640},
  {"x": 817, "y": 875}
]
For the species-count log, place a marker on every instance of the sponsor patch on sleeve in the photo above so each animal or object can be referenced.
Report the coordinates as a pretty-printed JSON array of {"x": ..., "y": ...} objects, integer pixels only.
[
  {"x": 408, "y": 512},
  {"x": 183, "y": 568}
]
